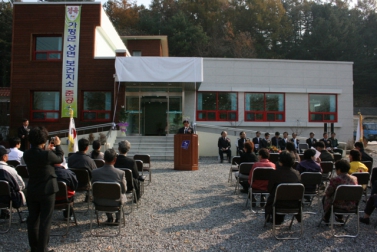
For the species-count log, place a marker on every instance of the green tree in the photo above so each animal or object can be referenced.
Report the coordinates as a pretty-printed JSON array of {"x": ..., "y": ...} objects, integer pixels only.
[{"x": 124, "y": 15}]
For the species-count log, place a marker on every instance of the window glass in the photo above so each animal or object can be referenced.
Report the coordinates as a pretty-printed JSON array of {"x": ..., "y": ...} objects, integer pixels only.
[
  {"x": 268, "y": 107},
  {"x": 322, "y": 108},
  {"x": 45, "y": 105},
  {"x": 213, "y": 106},
  {"x": 97, "y": 106},
  {"x": 255, "y": 102},
  {"x": 48, "y": 48}
]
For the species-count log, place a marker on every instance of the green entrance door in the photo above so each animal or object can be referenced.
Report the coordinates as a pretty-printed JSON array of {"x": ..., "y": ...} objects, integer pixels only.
[{"x": 155, "y": 120}]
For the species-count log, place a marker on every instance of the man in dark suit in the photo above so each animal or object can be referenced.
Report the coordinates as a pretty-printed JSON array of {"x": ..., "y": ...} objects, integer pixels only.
[
  {"x": 224, "y": 146},
  {"x": 23, "y": 133},
  {"x": 326, "y": 141},
  {"x": 41, "y": 187},
  {"x": 108, "y": 173},
  {"x": 256, "y": 141},
  {"x": 80, "y": 159},
  {"x": 125, "y": 162},
  {"x": 295, "y": 141},
  {"x": 325, "y": 155},
  {"x": 266, "y": 141},
  {"x": 186, "y": 129},
  {"x": 276, "y": 139},
  {"x": 311, "y": 141},
  {"x": 335, "y": 144},
  {"x": 241, "y": 141},
  {"x": 283, "y": 142},
  {"x": 364, "y": 156}
]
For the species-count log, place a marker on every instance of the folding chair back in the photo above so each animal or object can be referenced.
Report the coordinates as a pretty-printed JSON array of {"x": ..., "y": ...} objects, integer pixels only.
[
  {"x": 84, "y": 177},
  {"x": 107, "y": 191},
  {"x": 22, "y": 171},
  {"x": 368, "y": 164},
  {"x": 303, "y": 146},
  {"x": 327, "y": 166},
  {"x": 99, "y": 162},
  {"x": 233, "y": 167},
  {"x": 289, "y": 192},
  {"x": 262, "y": 173},
  {"x": 13, "y": 163},
  {"x": 274, "y": 157},
  {"x": 147, "y": 166},
  {"x": 62, "y": 193},
  {"x": 139, "y": 165},
  {"x": 5, "y": 193},
  {"x": 311, "y": 178},
  {"x": 131, "y": 193},
  {"x": 337, "y": 157},
  {"x": 348, "y": 193},
  {"x": 362, "y": 177},
  {"x": 245, "y": 168},
  {"x": 236, "y": 160}
]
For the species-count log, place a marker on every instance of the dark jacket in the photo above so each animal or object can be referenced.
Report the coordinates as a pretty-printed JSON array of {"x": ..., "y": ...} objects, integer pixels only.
[
  {"x": 257, "y": 140},
  {"x": 15, "y": 194},
  {"x": 67, "y": 176},
  {"x": 365, "y": 156},
  {"x": 221, "y": 143},
  {"x": 283, "y": 144},
  {"x": 42, "y": 176},
  {"x": 81, "y": 160},
  {"x": 308, "y": 166},
  {"x": 247, "y": 157},
  {"x": 326, "y": 156},
  {"x": 126, "y": 162},
  {"x": 275, "y": 141},
  {"x": 189, "y": 130},
  {"x": 264, "y": 143},
  {"x": 311, "y": 142},
  {"x": 241, "y": 143}
]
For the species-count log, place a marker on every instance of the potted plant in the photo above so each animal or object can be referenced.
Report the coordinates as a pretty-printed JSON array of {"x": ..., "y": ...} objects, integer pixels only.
[{"x": 123, "y": 124}]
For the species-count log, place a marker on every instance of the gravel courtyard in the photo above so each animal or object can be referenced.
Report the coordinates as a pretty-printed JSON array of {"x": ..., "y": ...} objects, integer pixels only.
[{"x": 193, "y": 211}]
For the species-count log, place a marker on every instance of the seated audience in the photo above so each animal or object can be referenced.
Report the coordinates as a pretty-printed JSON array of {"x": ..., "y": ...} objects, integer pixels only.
[
  {"x": 241, "y": 141},
  {"x": 263, "y": 157},
  {"x": 292, "y": 149},
  {"x": 311, "y": 141},
  {"x": 15, "y": 153},
  {"x": 80, "y": 159},
  {"x": 356, "y": 165},
  {"x": 224, "y": 146},
  {"x": 286, "y": 174},
  {"x": 69, "y": 177},
  {"x": 308, "y": 164},
  {"x": 16, "y": 194},
  {"x": 125, "y": 162},
  {"x": 276, "y": 139},
  {"x": 364, "y": 156},
  {"x": 108, "y": 173},
  {"x": 342, "y": 168},
  {"x": 96, "y": 152},
  {"x": 256, "y": 141},
  {"x": 325, "y": 155},
  {"x": 4, "y": 166},
  {"x": 247, "y": 153},
  {"x": 335, "y": 144}
]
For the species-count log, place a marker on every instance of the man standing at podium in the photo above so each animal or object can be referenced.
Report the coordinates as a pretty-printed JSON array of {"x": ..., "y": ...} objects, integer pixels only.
[
  {"x": 224, "y": 146},
  {"x": 186, "y": 129}
]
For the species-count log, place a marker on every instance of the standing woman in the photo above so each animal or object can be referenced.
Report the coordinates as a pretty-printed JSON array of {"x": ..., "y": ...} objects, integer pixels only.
[{"x": 42, "y": 187}]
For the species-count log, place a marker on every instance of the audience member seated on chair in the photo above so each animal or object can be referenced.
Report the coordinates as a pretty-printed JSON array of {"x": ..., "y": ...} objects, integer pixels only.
[
  {"x": 69, "y": 177},
  {"x": 4, "y": 166},
  {"x": 292, "y": 149},
  {"x": 247, "y": 153},
  {"x": 242, "y": 141},
  {"x": 364, "y": 156},
  {"x": 266, "y": 141},
  {"x": 80, "y": 159},
  {"x": 224, "y": 146},
  {"x": 16, "y": 194},
  {"x": 325, "y": 155},
  {"x": 342, "y": 168},
  {"x": 356, "y": 165},
  {"x": 295, "y": 141},
  {"x": 311, "y": 141},
  {"x": 369, "y": 208},
  {"x": 276, "y": 139},
  {"x": 125, "y": 162},
  {"x": 309, "y": 163},
  {"x": 108, "y": 173},
  {"x": 15, "y": 153},
  {"x": 286, "y": 174},
  {"x": 326, "y": 140},
  {"x": 96, "y": 152},
  {"x": 335, "y": 144},
  {"x": 257, "y": 141},
  {"x": 186, "y": 129},
  {"x": 263, "y": 162}
]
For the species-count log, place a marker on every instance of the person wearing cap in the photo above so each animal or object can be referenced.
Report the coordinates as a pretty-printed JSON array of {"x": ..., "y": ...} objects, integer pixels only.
[
  {"x": 4, "y": 166},
  {"x": 186, "y": 129},
  {"x": 256, "y": 141},
  {"x": 311, "y": 141}
]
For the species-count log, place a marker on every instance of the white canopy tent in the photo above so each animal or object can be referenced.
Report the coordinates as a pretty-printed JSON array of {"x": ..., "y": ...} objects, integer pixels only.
[{"x": 159, "y": 69}]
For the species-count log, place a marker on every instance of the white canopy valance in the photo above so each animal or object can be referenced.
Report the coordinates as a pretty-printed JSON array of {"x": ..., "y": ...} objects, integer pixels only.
[{"x": 159, "y": 69}]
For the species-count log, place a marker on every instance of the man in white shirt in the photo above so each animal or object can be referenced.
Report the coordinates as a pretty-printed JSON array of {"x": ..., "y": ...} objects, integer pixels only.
[
  {"x": 15, "y": 153},
  {"x": 3, "y": 165}
]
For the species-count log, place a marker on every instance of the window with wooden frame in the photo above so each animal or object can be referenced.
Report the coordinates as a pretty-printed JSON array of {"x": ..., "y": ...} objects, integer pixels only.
[
  {"x": 264, "y": 107},
  {"x": 47, "y": 47},
  {"x": 217, "y": 106},
  {"x": 97, "y": 106},
  {"x": 45, "y": 106},
  {"x": 323, "y": 108}
]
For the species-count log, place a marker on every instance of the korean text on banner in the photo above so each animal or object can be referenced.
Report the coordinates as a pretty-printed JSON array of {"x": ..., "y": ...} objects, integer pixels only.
[{"x": 70, "y": 59}]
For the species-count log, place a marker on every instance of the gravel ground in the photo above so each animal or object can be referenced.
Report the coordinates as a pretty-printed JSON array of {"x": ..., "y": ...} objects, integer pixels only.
[{"x": 193, "y": 211}]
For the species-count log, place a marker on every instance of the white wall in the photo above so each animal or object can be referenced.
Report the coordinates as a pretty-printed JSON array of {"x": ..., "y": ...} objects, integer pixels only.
[{"x": 296, "y": 79}]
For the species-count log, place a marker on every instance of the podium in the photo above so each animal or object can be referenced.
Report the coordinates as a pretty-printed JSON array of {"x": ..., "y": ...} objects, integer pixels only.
[{"x": 186, "y": 152}]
